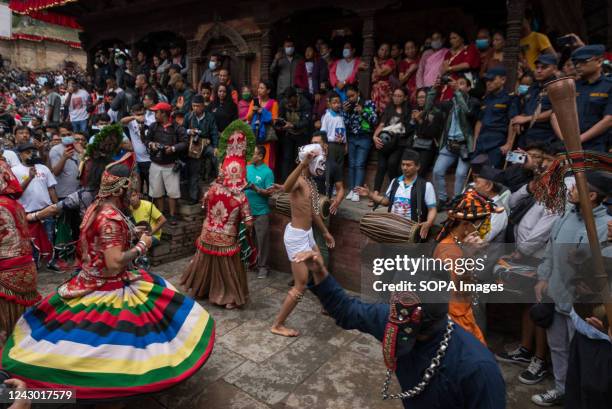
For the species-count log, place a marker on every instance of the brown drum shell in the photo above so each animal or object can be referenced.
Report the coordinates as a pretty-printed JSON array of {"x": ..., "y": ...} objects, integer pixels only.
[
  {"x": 389, "y": 228},
  {"x": 283, "y": 206}
]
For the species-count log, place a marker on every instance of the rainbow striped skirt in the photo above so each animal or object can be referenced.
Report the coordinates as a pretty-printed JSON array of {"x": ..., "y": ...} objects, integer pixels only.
[{"x": 140, "y": 338}]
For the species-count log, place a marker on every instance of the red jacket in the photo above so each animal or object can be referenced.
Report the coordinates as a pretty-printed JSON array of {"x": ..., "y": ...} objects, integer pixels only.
[{"x": 300, "y": 77}]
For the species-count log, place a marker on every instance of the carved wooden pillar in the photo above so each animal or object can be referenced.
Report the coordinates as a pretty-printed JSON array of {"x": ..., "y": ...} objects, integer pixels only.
[
  {"x": 369, "y": 48},
  {"x": 266, "y": 52},
  {"x": 193, "y": 61},
  {"x": 516, "y": 13}
]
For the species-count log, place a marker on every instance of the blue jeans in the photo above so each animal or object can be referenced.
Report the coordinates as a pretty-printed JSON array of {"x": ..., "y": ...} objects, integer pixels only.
[
  {"x": 358, "y": 149},
  {"x": 445, "y": 160},
  {"x": 79, "y": 126},
  {"x": 49, "y": 225}
]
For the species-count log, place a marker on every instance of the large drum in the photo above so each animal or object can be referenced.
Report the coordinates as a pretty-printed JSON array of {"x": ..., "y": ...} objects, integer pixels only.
[
  {"x": 283, "y": 206},
  {"x": 389, "y": 228}
]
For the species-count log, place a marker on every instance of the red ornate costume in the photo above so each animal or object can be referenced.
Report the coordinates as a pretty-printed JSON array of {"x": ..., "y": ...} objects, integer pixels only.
[
  {"x": 216, "y": 270},
  {"x": 17, "y": 269},
  {"x": 109, "y": 333}
]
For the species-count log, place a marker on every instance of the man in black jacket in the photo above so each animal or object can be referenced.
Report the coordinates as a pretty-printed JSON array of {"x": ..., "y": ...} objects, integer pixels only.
[
  {"x": 294, "y": 121},
  {"x": 165, "y": 141},
  {"x": 202, "y": 136}
]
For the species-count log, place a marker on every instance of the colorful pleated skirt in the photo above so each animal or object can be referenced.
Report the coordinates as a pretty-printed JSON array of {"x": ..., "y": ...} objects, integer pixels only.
[{"x": 140, "y": 338}]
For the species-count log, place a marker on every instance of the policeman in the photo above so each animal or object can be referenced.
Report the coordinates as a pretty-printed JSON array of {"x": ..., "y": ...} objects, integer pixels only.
[
  {"x": 533, "y": 124},
  {"x": 493, "y": 133},
  {"x": 593, "y": 98}
]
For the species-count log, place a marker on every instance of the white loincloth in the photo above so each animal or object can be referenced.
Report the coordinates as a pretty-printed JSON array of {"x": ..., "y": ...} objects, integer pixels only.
[{"x": 298, "y": 240}]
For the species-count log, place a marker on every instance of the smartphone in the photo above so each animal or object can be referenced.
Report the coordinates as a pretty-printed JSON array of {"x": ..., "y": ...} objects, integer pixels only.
[
  {"x": 516, "y": 157},
  {"x": 256, "y": 102}
]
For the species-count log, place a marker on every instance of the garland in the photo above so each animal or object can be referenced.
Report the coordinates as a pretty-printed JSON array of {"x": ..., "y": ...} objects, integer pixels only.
[
  {"x": 27, "y": 6},
  {"x": 93, "y": 147},
  {"x": 236, "y": 126}
]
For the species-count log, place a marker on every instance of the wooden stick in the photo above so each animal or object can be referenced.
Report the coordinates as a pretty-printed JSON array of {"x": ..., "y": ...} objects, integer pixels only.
[{"x": 562, "y": 95}]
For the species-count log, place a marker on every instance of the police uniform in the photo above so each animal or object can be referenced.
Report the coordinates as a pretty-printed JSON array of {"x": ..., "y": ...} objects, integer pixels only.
[
  {"x": 495, "y": 113},
  {"x": 593, "y": 100},
  {"x": 536, "y": 101}
]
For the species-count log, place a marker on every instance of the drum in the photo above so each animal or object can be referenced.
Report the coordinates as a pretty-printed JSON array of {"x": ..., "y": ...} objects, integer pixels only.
[
  {"x": 283, "y": 205},
  {"x": 389, "y": 228}
]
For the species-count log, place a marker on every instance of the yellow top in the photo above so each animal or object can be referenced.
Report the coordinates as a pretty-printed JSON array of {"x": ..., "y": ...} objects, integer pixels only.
[{"x": 149, "y": 213}]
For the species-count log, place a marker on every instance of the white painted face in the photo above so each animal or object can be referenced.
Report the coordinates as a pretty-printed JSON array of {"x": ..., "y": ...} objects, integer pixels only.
[{"x": 317, "y": 165}]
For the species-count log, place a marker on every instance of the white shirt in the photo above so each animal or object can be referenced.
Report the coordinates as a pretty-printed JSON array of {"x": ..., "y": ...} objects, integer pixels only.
[
  {"x": 11, "y": 158},
  {"x": 333, "y": 124},
  {"x": 78, "y": 105},
  {"x": 36, "y": 196},
  {"x": 401, "y": 202},
  {"x": 149, "y": 117},
  {"x": 139, "y": 149}
]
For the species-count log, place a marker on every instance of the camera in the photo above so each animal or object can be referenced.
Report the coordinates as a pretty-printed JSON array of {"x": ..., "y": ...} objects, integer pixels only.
[
  {"x": 196, "y": 133},
  {"x": 158, "y": 151},
  {"x": 445, "y": 79},
  {"x": 516, "y": 157},
  {"x": 3, "y": 377},
  {"x": 280, "y": 123}
]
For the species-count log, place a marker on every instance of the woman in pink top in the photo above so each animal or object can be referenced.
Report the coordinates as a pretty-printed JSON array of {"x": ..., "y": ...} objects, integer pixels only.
[
  {"x": 383, "y": 68},
  {"x": 431, "y": 61},
  {"x": 243, "y": 104}
]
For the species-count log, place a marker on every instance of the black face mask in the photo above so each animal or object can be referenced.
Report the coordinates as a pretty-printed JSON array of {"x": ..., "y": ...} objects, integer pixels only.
[{"x": 33, "y": 160}]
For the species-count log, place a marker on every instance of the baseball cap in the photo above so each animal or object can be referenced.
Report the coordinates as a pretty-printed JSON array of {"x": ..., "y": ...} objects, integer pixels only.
[
  {"x": 547, "y": 59},
  {"x": 161, "y": 106}
]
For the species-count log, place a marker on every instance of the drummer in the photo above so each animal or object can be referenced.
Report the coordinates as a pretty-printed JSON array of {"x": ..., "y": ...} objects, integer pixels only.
[{"x": 420, "y": 206}]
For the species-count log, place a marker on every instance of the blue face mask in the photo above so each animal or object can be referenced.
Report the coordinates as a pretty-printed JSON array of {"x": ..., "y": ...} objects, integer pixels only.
[
  {"x": 346, "y": 53},
  {"x": 212, "y": 65},
  {"x": 67, "y": 140},
  {"x": 482, "y": 43},
  {"x": 522, "y": 89}
]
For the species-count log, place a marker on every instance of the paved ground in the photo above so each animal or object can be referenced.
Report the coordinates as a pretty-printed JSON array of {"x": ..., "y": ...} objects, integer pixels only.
[{"x": 250, "y": 368}]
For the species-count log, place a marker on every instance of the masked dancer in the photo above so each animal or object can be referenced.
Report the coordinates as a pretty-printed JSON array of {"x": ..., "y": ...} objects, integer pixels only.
[
  {"x": 111, "y": 331},
  {"x": 216, "y": 270}
]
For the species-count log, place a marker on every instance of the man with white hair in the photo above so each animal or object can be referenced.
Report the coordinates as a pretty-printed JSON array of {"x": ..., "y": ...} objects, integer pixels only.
[{"x": 298, "y": 237}]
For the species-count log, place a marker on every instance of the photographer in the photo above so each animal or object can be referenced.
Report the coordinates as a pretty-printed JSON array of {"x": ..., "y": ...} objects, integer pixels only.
[
  {"x": 203, "y": 136},
  {"x": 294, "y": 122},
  {"x": 390, "y": 145},
  {"x": 457, "y": 138},
  {"x": 136, "y": 126},
  {"x": 165, "y": 141}
]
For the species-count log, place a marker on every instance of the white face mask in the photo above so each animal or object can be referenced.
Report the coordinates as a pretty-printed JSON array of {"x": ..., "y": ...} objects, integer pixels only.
[
  {"x": 436, "y": 44},
  {"x": 346, "y": 53},
  {"x": 317, "y": 165},
  {"x": 289, "y": 50},
  {"x": 212, "y": 65}
]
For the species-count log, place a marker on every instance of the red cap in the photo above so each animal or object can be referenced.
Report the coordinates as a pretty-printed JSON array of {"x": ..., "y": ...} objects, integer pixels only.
[{"x": 161, "y": 106}]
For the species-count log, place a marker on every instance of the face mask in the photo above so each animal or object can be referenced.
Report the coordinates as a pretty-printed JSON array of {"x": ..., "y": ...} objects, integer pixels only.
[
  {"x": 212, "y": 65},
  {"x": 317, "y": 165},
  {"x": 436, "y": 44},
  {"x": 522, "y": 89},
  {"x": 67, "y": 140},
  {"x": 325, "y": 55},
  {"x": 346, "y": 53},
  {"x": 246, "y": 96},
  {"x": 482, "y": 43},
  {"x": 48, "y": 134},
  {"x": 289, "y": 50}
]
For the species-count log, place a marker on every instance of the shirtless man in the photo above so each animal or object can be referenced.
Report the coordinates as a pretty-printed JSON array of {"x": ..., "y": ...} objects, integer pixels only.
[{"x": 298, "y": 235}]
